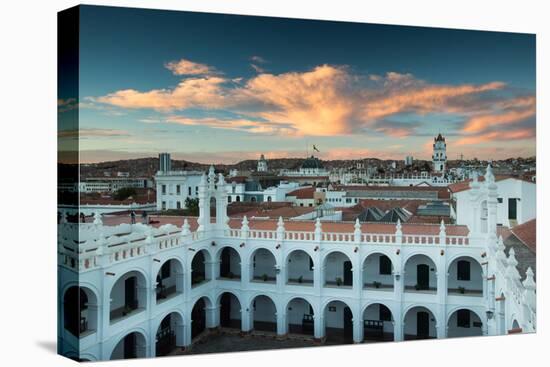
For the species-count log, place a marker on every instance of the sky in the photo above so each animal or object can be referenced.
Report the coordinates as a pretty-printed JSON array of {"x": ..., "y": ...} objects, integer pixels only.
[{"x": 216, "y": 88}]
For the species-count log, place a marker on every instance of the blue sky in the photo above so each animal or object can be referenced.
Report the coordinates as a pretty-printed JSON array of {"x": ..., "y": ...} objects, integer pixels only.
[{"x": 221, "y": 88}]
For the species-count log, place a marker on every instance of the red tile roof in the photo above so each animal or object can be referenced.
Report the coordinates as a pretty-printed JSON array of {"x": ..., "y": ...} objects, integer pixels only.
[
  {"x": 302, "y": 226},
  {"x": 527, "y": 233},
  {"x": 303, "y": 193}
]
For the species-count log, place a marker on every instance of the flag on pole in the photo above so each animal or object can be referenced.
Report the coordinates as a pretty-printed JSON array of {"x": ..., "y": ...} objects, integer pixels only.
[{"x": 315, "y": 148}]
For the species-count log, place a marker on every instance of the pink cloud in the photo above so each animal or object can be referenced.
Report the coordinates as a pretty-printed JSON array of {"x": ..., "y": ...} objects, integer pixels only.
[{"x": 187, "y": 67}]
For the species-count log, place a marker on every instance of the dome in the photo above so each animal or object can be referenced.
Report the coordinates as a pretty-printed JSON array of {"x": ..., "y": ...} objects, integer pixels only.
[{"x": 312, "y": 162}]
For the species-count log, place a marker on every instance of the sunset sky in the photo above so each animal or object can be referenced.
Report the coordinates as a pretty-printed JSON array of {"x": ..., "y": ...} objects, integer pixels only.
[{"x": 223, "y": 88}]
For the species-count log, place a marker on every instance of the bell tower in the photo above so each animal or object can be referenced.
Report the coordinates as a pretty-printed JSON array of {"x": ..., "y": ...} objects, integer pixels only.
[{"x": 439, "y": 156}]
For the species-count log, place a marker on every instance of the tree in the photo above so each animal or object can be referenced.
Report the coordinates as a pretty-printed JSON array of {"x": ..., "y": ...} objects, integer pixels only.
[
  {"x": 124, "y": 193},
  {"x": 192, "y": 206}
]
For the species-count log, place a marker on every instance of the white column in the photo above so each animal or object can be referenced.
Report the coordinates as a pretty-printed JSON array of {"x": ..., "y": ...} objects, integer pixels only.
[
  {"x": 281, "y": 323},
  {"x": 212, "y": 316},
  {"x": 319, "y": 325},
  {"x": 246, "y": 319}
]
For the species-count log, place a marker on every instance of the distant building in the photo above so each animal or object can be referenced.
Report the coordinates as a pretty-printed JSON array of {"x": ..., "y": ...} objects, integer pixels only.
[
  {"x": 165, "y": 163},
  {"x": 409, "y": 160},
  {"x": 439, "y": 157},
  {"x": 112, "y": 184},
  {"x": 262, "y": 164},
  {"x": 311, "y": 167}
]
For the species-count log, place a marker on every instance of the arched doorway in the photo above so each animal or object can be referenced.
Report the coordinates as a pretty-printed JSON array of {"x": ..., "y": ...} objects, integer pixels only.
[
  {"x": 420, "y": 274},
  {"x": 264, "y": 314},
  {"x": 198, "y": 317},
  {"x": 378, "y": 272},
  {"x": 338, "y": 270},
  {"x": 338, "y": 323},
  {"x": 230, "y": 264},
  {"x": 131, "y": 346},
  {"x": 299, "y": 268},
  {"x": 169, "y": 334},
  {"x": 200, "y": 273},
  {"x": 378, "y": 323},
  {"x": 263, "y": 266},
  {"x": 128, "y": 296},
  {"x": 300, "y": 317},
  {"x": 419, "y": 323},
  {"x": 169, "y": 280},
  {"x": 464, "y": 322},
  {"x": 230, "y": 311},
  {"x": 465, "y": 277},
  {"x": 79, "y": 318}
]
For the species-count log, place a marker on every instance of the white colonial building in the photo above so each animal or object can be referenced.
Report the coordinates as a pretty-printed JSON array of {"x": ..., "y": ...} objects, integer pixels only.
[
  {"x": 141, "y": 291},
  {"x": 174, "y": 187},
  {"x": 516, "y": 201}
]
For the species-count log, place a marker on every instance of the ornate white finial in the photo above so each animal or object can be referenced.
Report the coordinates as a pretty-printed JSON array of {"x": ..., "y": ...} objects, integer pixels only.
[
  {"x": 211, "y": 172},
  {"x": 357, "y": 225},
  {"x": 244, "y": 224},
  {"x": 398, "y": 227},
  {"x": 203, "y": 179},
  {"x": 318, "y": 225},
  {"x": 442, "y": 229},
  {"x": 512, "y": 270},
  {"x": 529, "y": 282},
  {"x": 221, "y": 181},
  {"x": 500, "y": 249},
  {"x": 97, "y": 219},
  {"x": 280, "y": 223},
  {"x": 185, "y": 228}
]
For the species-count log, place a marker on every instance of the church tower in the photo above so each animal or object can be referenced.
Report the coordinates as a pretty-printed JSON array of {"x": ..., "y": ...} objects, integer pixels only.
[
  {"x": 262, "y": 164},
  {"x": 439, "y": 157}
]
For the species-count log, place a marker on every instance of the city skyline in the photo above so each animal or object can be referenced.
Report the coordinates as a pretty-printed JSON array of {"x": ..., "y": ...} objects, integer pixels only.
[{"x": 214, "y": 88}]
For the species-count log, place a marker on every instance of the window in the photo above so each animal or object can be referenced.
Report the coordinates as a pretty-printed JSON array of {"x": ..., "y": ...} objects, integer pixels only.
[
  {"x": 164, "y": 205},
  {"x": 178, "y": 189},
  {"x": 269, "y": 198},
  {"x": 189, "y": 191},
  {"x": 163, "y": 189},
  {"x": 463, "y": 318},
  {"x": 385, "y": 313},
  {"x": 512, "y": 208},
  {"x": 178, "y": 205},
  {"x": 229, "y": 199},
  {"x": 310, "y": 264},
  {"x": 165, "y": 270},
  {"x": 499, "y": 200},
  {"x": 385, "y": 265},
  {"x": 463, "y": 270},
  {"x": 196, "y": 190},
  {"x": 238, "y": 198}
]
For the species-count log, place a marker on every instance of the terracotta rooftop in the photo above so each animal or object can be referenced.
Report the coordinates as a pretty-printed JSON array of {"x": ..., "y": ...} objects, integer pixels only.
[
  {"x": 302, "y": 226},
  {"x": 527, "y": 233},
  {"x": 303, "y": 193}
]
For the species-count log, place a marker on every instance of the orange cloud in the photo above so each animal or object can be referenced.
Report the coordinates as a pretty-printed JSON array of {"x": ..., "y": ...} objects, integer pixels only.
[
  {"x": 193, "y": 92},
  {"x": 422, "y": 99},
  {"x": 186, "y": 67},
  {"x": 514, "y": 111},
  {"x": 251, "y": 126},
  {"x": 497, "y": 135}
]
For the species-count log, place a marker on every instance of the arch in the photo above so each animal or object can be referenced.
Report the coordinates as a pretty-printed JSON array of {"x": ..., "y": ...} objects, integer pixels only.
[
  {"x": 462, "y": 322},
  {"x": 230, "y": 310},
  {"x": 198, "y": 316},
  {"x": 264, "y": 313},
  {"x": 169, "y": 333},
  {"x": 465, "y": 276},
  {"x": 80, "y": 313},
  {"x": 300, "y": 316},
  {"x": 128, "y": 295},
  {"x": 230, "y": 263},
  {"x": 299, "y": 268},
  {"x": 419, "y": 322},
  {"x": 169, "y": 279},
  {"x": 378, "y": 270},
  {"x": 200, "y": 273},
  {"x": 337, "y": 270},
  {"x": 263, "y": 265},
  {"x": 338, "y": 319},
  {"x": 132, "y": 345},
  {"x": 378, "y": 322},
  {"x": 420, "y": 273}
]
